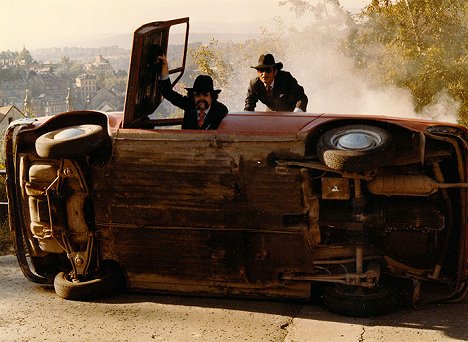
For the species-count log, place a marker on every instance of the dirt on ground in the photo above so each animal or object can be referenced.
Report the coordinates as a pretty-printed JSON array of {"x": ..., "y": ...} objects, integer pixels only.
[{"x": 32, "y": 312}]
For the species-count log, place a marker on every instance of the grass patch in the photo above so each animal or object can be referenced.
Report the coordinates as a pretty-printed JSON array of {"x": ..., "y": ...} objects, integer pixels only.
[{"x": 6, "y": 238}]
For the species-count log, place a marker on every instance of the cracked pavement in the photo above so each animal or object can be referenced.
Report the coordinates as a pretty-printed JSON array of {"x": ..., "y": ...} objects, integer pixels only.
[{"x": 32, "y": 312}]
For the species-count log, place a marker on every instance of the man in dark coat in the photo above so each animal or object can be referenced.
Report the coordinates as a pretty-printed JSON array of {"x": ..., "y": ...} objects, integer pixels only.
[
  {"x": 277, "y": 89},
  {"x": 202, "y": 110}
]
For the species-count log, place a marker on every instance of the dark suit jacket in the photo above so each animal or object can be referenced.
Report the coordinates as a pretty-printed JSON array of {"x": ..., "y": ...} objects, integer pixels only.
[
  {"x": 214, "y": 117},
  {"x": 287, "y": 94}
]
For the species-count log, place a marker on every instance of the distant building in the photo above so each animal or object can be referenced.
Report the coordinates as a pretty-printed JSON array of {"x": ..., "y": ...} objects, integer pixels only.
[
  {"x": 105, "y": 100},
  {"x": 48, "y": 105},
  {"x": 86, "y": 87},
  {"x": 8, "y": 114},
  {"x": 7, "y": 59},
  {"x": 100, "y": 66},
  {"x": 27, "y": 108},
  {"x": 45, "y": 67},
  {"x": 69, "y": 101}
]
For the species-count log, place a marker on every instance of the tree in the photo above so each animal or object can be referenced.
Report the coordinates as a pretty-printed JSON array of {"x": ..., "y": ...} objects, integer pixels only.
[
  {"x": 210, "y": 62},
  {"x": 117, "y": 81},
  {"x": 68, "y": 69},
  {"x": 320, "y": 8},
  {"x": 65, "y": 60},
  {"x": 24, "y": 58},
  {"x": 420, "y": 45},
  {"x": 11, "y": 74},
  {"x": 303, "y": 52},
  {"x": 229, "y": 64}
]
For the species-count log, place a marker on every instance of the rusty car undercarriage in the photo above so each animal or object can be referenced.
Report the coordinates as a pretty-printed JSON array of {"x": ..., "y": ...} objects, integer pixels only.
[{"x": 368, "y": 212}]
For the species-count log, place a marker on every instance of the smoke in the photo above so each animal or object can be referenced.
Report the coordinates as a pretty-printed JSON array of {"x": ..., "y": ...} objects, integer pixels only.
[
  {"x": 444, "y": 108},
  {"x": 313, "y": 56}
]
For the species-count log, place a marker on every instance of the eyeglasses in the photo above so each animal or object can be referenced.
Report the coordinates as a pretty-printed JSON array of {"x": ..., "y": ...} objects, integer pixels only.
[
  {"x": 197, "y": 94},
  {"x": 267, "y": 70}
]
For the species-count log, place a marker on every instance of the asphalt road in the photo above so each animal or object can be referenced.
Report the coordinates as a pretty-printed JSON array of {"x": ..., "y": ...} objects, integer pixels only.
[{"x": 31, "y": 312}]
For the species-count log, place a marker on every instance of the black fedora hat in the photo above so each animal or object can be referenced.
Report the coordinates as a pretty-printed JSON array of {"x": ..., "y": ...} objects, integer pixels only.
[
  {"x": 203, "y": 84},
  {"x": 268, "y": 61}
]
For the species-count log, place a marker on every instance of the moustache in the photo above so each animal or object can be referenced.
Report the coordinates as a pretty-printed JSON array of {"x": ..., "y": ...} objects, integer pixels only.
[{"x": 201, "y": 104}]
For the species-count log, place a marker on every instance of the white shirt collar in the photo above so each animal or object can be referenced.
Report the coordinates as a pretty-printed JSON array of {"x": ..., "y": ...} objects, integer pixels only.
[{"x": 206, "y": 111}]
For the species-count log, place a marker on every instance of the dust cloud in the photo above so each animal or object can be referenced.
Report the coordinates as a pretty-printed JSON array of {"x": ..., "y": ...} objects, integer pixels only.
[{"x": 312, "y": 54}]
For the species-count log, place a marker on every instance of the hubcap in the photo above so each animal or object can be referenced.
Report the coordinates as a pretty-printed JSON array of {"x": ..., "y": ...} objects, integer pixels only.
[{"x": 357, "y": 140}]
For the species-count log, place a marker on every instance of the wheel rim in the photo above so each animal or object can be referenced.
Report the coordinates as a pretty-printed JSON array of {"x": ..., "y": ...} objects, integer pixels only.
[
  {"x": 69, "y": 133},
  {"x": 356, "y": 140}
]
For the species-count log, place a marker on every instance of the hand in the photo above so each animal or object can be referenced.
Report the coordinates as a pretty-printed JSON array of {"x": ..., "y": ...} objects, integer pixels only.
[{"x": 164, "y": 66}]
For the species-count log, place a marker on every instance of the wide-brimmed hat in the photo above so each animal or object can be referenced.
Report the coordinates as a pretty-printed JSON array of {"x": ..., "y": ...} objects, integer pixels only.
[
  {"x": 203, "y": 84},
  {"x": 268, "y": 61}
]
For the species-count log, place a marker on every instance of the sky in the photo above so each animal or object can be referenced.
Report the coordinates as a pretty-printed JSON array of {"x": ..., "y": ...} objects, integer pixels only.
[{"x": 54, "y": 23}]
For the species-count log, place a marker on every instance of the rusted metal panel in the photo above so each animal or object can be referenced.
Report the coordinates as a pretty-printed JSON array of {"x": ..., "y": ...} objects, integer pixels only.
[
  {"x": 230, "y": 259},
  {"x": 195, "y": 183},
  {"x": 164, "y": 284},
  {"x": 198, "y": 212}
]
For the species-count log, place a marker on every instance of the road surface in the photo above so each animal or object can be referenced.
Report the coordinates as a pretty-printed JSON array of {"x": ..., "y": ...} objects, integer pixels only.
[{"x": 31, "y": 312}]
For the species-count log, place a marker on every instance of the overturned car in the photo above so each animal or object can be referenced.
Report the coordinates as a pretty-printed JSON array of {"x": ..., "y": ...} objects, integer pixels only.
[{"x": 362, "y": 212}]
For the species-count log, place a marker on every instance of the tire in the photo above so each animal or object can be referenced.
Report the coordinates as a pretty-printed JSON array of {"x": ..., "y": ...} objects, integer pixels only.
[
  {"x": 70, "y": 141},
  {"x": 109, "y": 282},
  {"x": 360, "y": 302},
  {"x": 355, "y": 148}
]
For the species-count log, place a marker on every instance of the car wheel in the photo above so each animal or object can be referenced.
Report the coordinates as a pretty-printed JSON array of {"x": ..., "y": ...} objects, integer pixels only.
[
  {"x": 355, "y": 148},
  {"x": 111, "y": 280},
  {"x": 356, "y": 301},
  {"x": 70, "y": 141}
]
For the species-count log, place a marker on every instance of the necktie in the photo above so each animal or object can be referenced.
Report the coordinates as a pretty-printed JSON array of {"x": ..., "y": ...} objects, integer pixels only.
[
  {"x": 201, "y": 118},
  {"x": 269, "y": 90}
]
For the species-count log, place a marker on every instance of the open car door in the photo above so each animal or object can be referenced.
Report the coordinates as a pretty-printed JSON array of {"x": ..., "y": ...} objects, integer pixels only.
[{"x": 149, "y": 42}]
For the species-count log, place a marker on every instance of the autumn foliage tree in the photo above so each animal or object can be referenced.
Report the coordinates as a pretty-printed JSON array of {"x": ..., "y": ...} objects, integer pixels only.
[
  {"x": 229, "y": 64},
  {"x": 417, "y": 45},
  {"x": 420, "y": 45}
]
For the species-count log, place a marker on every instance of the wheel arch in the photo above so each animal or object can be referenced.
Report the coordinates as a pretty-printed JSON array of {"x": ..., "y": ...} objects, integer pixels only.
[{"x": 27, "y": 134}]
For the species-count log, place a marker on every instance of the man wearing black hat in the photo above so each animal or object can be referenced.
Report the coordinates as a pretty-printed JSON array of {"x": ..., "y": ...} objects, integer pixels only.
[
  {"x": 277, "y": 89},
  {"x": 202, "y": 110}
]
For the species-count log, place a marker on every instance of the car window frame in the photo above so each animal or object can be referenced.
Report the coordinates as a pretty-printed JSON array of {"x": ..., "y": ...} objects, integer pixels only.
[{"x": 143, "y": 95}]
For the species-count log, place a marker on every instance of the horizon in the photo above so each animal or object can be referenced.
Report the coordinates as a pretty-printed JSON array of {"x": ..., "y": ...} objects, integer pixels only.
[{"x": 54, "y": 23}]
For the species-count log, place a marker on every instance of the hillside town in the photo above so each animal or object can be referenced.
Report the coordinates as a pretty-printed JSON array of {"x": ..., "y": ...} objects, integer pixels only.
[
  {"x": 39, "y": 88},
  {"x": 49, "y": 81}
]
